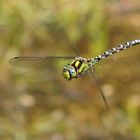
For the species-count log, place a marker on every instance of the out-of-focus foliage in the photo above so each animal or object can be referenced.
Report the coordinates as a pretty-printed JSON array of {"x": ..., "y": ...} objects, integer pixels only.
[{"x": 41, "y": 104}]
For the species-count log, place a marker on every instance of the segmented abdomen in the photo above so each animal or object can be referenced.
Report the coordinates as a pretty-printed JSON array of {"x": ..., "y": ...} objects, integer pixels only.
[{"x": 115, "y": 50}]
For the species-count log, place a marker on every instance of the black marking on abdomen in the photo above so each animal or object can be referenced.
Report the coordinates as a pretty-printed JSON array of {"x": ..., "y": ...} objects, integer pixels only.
[{"x": 116, "y": 50}]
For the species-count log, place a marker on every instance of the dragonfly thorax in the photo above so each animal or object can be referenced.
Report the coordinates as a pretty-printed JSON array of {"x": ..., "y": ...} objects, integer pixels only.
[{"x": 76, "y": 68}]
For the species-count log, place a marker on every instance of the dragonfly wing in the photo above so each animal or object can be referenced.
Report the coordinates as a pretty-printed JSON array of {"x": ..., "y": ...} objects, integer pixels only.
[
  {"x": 38, "y": 62},
  {"x": 91, "y": 73}
]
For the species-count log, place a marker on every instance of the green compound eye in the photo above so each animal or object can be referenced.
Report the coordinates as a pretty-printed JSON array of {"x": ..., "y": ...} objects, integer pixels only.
[
  {"x": 66, "y": 74},
  {"x": 69, "y": 72}
]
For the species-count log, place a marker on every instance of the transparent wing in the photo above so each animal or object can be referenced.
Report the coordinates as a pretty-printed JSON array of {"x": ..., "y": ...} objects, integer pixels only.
[
  {"x": 92, "y": 75},
  {"x": 38, "y": 62}
]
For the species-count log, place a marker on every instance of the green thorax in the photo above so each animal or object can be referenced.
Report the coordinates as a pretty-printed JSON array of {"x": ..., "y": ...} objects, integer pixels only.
[{"x": 81, "y": 66}]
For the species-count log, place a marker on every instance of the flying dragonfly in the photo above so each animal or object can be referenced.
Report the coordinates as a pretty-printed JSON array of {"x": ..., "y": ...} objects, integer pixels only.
[{"x": 78, "y": 65}]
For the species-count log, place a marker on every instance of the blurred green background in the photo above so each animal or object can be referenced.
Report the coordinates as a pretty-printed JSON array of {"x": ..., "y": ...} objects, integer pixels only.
[{"x": 41, "y": 104}]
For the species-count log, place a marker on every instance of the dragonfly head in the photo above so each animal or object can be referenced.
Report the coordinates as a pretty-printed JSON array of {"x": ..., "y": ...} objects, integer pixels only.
[{"x": 69, "y": 72}]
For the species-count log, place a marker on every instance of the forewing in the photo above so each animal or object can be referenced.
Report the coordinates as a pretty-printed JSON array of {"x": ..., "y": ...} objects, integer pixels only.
[
  {"x": 41, "y": 68},
  {"x": 38, "y": 62}
]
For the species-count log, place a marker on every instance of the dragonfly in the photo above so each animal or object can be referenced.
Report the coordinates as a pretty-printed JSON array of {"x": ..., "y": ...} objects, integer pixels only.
[{"x": 78, "y": 65}]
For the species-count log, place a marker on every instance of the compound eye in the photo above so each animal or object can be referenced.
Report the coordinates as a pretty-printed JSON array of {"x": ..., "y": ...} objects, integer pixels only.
[
  {"x": 72, "y": 72},
  {"x": 66, "y": 74},
  {"x": 69, "y": 72}
]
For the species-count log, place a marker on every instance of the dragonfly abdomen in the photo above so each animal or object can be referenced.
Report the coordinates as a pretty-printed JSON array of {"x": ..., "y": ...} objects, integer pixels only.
[{"x": 115, "y": 50}]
